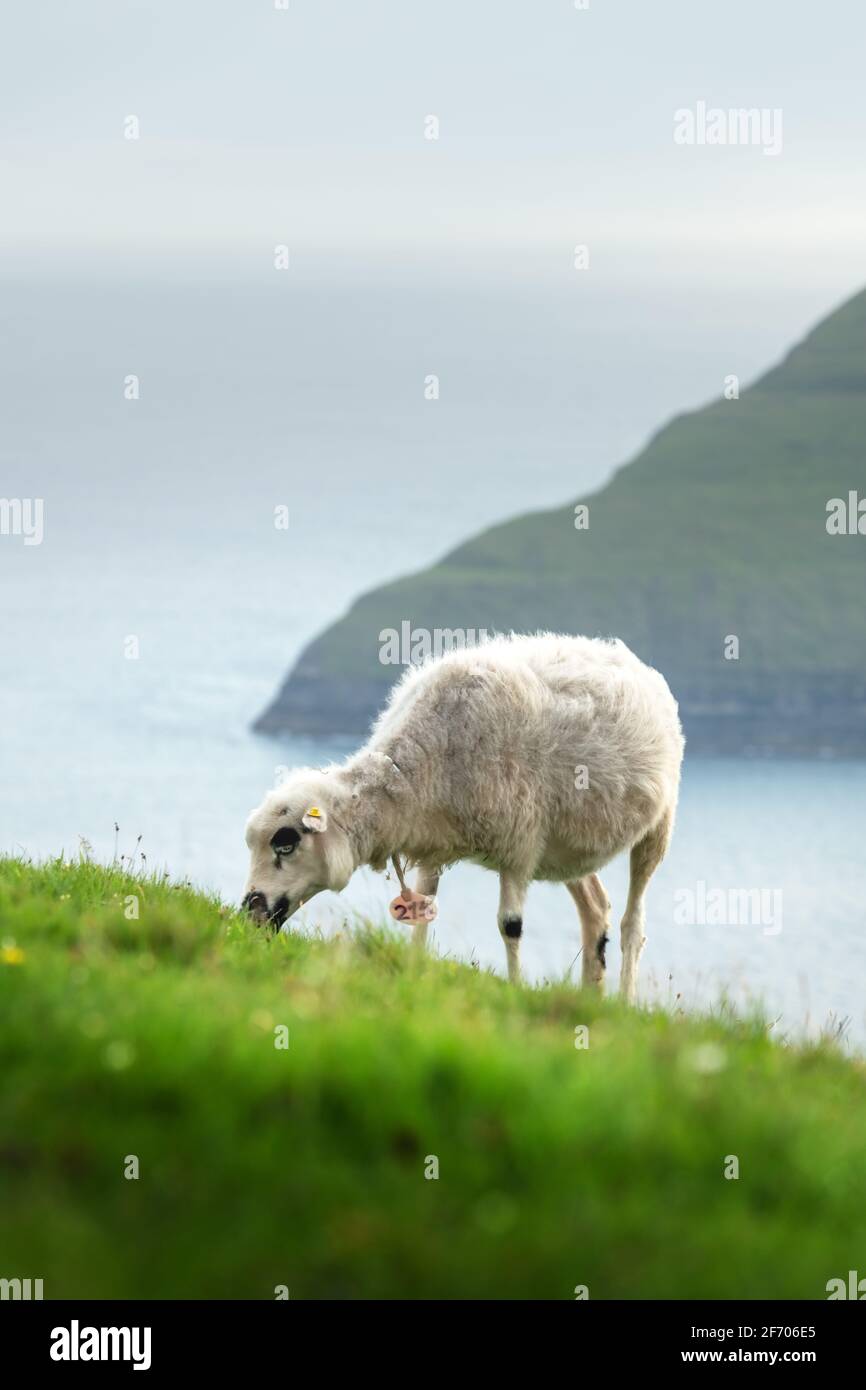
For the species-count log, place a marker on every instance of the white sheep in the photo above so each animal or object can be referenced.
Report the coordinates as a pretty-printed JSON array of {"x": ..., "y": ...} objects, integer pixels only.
[{"x": 540, "y": 757}]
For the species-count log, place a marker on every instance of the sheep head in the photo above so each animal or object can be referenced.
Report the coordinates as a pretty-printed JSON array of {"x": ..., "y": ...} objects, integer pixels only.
[{"x": 298, "y": 848}]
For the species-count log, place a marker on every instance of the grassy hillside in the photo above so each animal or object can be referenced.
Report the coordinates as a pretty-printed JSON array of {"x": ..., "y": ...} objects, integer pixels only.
[
  {"x": 305, "y": 1167},
  {"x": 717, "y": 528}
]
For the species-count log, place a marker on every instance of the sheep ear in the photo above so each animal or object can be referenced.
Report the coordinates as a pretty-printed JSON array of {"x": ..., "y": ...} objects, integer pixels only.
[{"x": 314, "y": 819}]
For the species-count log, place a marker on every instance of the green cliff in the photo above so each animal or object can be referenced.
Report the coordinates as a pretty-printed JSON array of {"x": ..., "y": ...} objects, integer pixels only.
[{"x": 717, "y": 530}]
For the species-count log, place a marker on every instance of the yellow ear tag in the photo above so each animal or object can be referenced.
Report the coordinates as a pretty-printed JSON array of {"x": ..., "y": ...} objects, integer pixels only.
[{"x": 314, "y": 811}]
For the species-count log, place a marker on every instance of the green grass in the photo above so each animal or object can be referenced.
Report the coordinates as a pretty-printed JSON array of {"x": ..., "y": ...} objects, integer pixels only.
[{"x": 305, "y": 1167}]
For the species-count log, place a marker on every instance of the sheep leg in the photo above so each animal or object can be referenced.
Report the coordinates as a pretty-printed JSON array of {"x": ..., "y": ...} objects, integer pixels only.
[
  {"x": 426, "y": 881},
  {"x": 512, "y": 892},
  {"x": 593, "y": 906},
  {"x": 646, "y": 856}
]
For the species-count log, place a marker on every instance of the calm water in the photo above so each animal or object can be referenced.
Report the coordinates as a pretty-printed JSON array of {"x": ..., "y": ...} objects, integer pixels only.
[{"x": 158, "y": 525}]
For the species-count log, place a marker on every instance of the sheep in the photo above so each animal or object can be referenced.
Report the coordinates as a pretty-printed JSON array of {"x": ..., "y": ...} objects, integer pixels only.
[{"x": 540, "y": 757}]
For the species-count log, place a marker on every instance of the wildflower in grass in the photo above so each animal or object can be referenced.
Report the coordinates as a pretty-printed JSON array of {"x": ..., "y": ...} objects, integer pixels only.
[{"x": 10, "y": 954}]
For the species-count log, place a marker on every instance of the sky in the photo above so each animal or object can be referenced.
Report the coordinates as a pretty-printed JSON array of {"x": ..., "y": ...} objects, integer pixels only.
[{"x": 305, "y": 126}]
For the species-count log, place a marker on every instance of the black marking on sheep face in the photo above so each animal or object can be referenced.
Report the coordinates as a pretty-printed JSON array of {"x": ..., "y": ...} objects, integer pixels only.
[
  {"x": 256, "y": 904},
  {"x": 283, "y": 841},
  {"x": 601, "y": 947},
  {"x": 279, "y": 912},
  {"x": 512, "y": 927}
]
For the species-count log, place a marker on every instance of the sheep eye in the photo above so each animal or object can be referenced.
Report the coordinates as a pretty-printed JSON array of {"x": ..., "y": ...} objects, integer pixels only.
[{"x": 284, "y": 840}]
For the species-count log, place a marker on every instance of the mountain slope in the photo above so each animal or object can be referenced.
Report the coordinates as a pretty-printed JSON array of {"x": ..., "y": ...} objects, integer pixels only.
[{"x": 717, "y": 529}]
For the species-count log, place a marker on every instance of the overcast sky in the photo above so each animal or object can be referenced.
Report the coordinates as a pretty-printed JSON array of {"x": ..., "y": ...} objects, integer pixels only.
[{"x": 305, "y": 126}]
